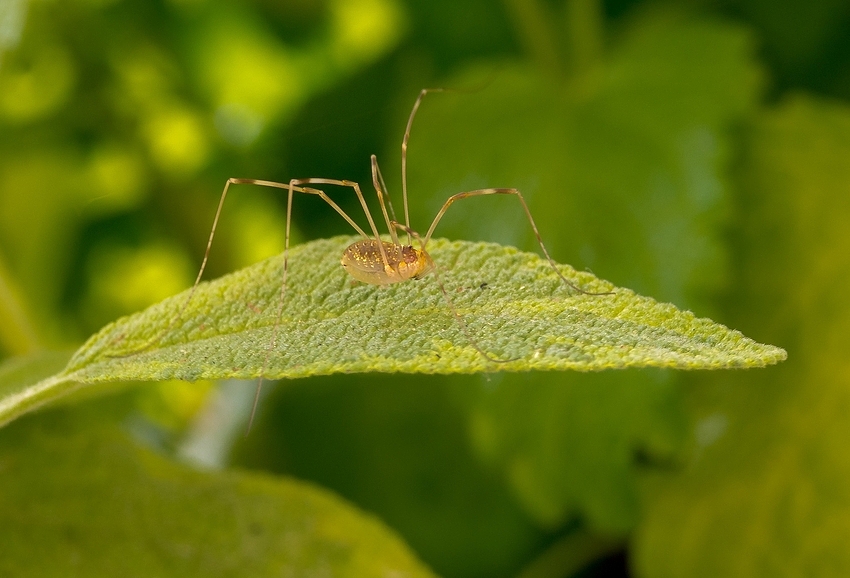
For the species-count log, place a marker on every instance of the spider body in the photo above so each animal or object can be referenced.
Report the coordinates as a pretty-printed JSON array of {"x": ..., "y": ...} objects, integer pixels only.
[{"x": 364, "y": 261}]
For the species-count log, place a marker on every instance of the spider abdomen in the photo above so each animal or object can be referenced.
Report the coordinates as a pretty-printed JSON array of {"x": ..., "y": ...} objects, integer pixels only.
[{"x": 364, "y": 261}]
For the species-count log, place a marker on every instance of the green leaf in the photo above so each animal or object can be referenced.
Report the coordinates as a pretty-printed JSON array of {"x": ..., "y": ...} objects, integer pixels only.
[
  {"x": 512, "y": 304},
  {"x": 397, "y": 446},
  {"x": 765, "y": 492},
  {"x": 577, "y": 443},
  {"x": 625, "y": 176},
  {"x": 88, "y": 499}
]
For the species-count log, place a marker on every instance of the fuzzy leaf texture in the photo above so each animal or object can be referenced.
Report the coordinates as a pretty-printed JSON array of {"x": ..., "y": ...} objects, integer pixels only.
[{"x": 512, "y": 304}]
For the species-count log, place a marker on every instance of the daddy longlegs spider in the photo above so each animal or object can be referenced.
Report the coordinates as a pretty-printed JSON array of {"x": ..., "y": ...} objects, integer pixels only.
[{"x": 372, "y": 260}]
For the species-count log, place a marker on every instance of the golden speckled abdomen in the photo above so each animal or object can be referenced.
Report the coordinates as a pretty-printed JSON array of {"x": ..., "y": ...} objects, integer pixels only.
[{"x": 363, "y": 261}]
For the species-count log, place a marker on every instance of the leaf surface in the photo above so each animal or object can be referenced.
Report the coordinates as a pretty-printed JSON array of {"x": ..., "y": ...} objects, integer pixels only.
[
  {"x": 88, "y": 499},
  {"x": 512, "y": 303}
]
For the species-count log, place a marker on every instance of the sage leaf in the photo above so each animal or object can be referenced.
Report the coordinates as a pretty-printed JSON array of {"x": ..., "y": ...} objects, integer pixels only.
[{"x": 511, "y": 303}]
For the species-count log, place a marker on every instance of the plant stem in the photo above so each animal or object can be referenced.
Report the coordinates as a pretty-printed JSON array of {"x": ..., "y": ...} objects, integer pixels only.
[
  {"x": 585, "y": 31},
  {"x": 536, "y": 33},
  {"x": 570, "y": 554}
]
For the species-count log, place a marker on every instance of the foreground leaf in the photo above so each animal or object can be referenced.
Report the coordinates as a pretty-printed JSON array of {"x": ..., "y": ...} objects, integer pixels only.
[
  {"x": 512, "y": 303},
  {"x": 88, "y": 499}
]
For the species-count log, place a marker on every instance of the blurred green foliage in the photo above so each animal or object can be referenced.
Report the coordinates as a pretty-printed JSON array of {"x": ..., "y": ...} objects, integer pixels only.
[
  {"x": 173, "y": 520},
  {"x": 695, "y": 152}
]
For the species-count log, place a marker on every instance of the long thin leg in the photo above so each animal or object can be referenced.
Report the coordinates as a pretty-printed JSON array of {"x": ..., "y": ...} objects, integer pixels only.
[
  {"x": 377, "y": 169},
  {"x": 518, "y": 195},
  {"x": 291, "y": 187},
  {"x": 273, "y": 184},
  {"x": 273, "y": 343},
  {"x": 463, "y": 326},
  {"x": 232, "y": 181},
  {"x": 404, "y": 142},
  {"x": 363, "y": 204},
  {"x": 381, "y": 189}
]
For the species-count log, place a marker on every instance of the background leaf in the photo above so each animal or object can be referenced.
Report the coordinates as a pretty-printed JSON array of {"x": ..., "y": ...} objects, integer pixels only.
[
  {"x": 88, "y": 498},
  {"x": 629, "y": 161},
  {"x": 396, "y": 445},
  {"x": 764, "y": 493}
]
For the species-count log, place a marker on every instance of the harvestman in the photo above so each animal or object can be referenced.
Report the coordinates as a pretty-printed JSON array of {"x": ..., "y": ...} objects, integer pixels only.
[{"x": 372, "y": 260}]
